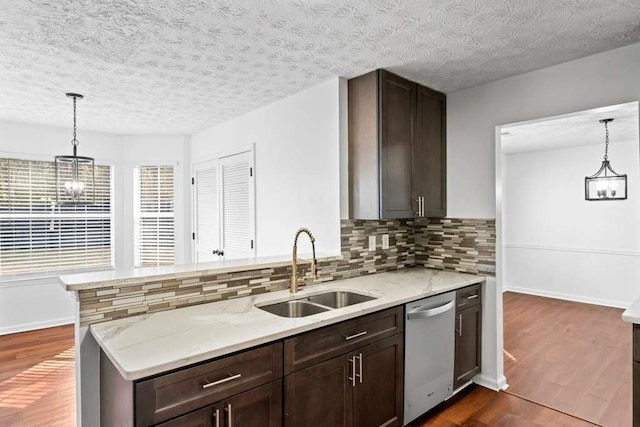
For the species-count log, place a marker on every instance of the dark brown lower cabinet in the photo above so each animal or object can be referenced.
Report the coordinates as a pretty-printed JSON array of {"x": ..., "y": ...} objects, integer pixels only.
[
  {"x": 362, "y": 388},
  {"x": 377, "y": 396},
  {"x": 320, "y": 395},
  {"x": 636, "y": 394},
  {"x": 260, "y": 407},
  {"x": 468, "y": 344}
]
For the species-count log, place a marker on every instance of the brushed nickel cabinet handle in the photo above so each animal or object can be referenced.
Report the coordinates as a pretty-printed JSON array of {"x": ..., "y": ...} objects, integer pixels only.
[
  {"x": 222, "y": 381},
  {"x": 360, "y": 370},
  {"x": 352, "y": 378},
  {"x": 359, "y": 334},
  {"x": 229, "y": 415},
  {"x": 419, "y": 213},
  {"x": 459, "y": 325},
  {"x": 422, "y": 206},
  {"x": 216, "y": 417},
  {"x": 472, "y": 296}
]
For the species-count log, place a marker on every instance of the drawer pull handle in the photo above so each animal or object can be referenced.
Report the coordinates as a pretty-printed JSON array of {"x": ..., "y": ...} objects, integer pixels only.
[
  {"x": 360, "y": 370},
  {"x": 472, "y": 296},
  {"x": 359, "y": 334},
  {"x": 222, "y": 381}
]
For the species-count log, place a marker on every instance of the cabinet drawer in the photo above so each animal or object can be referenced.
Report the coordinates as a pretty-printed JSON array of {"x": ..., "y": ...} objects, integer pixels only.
[
  {"x": 468, "y": 297},
  {"x": 322, "y": 344},
  {"x": 164, "y": 397},
  {"x": 636, "y": 343}
]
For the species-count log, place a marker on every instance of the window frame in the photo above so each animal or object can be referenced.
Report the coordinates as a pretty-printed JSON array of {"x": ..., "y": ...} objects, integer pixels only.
[
  {"x": 53, "y": 274},
  {"x": 134, "y": 208}
]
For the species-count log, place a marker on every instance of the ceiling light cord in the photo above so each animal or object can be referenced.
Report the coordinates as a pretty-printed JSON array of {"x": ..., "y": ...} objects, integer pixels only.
[{"x": 606, "y": 145}]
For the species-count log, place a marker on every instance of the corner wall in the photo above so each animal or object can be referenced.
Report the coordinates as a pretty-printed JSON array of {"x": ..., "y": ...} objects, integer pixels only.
[
  {"x": 30, "y": 302},
  {"x": 559, "y": 245},
  {"x": 297, "y": 166}
]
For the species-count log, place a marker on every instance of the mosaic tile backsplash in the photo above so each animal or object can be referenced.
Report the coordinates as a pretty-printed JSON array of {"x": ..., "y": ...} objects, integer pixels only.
[
  {"x": 463, "y": 245},
  {"x": 460, "y": 245}
]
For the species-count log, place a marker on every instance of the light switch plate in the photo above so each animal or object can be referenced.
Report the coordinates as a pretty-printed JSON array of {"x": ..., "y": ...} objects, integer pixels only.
[
  {"x": 372, "y": 243},
  {"x": 385, "y": 241}
]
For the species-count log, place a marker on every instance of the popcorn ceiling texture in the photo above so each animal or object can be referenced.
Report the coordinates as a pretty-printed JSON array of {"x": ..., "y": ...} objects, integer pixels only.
[
  {"x": 179, "y": 66},
  {"x": 460, "y": 245}
]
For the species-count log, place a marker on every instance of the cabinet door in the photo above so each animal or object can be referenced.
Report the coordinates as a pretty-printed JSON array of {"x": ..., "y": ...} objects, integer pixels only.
[
  {"x": 468, "y": 345},
  {"x": 429, "y": 152},
  {"x": 377, "y": 397},
  {"x": 260, "y": 407},
  {"x": 320, "y": 395},
  {"x": 397, "y": 105}
]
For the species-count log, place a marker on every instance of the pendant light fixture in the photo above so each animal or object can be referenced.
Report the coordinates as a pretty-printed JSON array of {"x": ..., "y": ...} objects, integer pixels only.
[
  {"x": 75, "y": 175},
  {"x": 606, "y": 184}
]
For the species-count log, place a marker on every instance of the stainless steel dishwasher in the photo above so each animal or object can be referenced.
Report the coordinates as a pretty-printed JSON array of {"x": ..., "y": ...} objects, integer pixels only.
[{"x": 429, "y": 353}]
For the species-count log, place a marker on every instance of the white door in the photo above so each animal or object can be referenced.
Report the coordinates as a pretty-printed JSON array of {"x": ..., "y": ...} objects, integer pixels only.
[
  {"x": 237, "y": 206},
  {"x": 224, "y": 208},
  {"x": 206, "y": 208}
]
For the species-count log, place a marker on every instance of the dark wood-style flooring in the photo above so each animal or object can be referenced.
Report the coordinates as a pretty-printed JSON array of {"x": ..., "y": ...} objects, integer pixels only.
[
  {"x": 569, "y": 356},
  {"x": 572, "y": 357},
  {"x": 37, "y": 378}
]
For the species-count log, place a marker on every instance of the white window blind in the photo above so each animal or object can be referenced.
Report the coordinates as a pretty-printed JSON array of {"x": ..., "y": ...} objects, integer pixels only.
[
  {"x": 38, "y": 236},
  {"x": 154, "y": 222}
]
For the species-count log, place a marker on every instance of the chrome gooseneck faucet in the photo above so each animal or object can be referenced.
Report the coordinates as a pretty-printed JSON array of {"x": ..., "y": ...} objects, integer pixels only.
[{"x": 294, "y": 262}]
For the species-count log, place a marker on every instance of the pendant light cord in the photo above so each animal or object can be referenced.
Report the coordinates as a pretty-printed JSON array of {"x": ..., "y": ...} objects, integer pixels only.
[
  {"x": 74, "y": 141},
  {"x": 606, "y": 146}
]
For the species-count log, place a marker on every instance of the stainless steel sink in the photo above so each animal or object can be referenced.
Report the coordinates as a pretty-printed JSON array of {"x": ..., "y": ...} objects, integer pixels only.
[
  {"x": 339, "y": 299},
  {"x": 294, "y": 308}
]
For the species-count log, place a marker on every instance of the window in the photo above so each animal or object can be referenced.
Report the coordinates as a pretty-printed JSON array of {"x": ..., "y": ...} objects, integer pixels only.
[
  {"x": 154, "y": 240},
  {"x": 38, "y": 236}
]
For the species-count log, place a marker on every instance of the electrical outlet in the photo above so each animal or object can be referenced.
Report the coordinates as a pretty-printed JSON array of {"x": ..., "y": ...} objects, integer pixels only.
[
  {"x": 372, "y": 243},
  {"x": 385, "y": 241}
]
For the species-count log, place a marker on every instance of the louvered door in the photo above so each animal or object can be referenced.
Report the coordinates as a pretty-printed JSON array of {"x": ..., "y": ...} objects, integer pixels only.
[
  {"x": 206, "y": 206},
  {"x": 237, "y": 205},
  {"x": 224, "y": 212}
]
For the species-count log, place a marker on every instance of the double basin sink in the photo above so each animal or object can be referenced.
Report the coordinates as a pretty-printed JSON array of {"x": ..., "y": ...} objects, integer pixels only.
[{"x": 315, "y": 304}]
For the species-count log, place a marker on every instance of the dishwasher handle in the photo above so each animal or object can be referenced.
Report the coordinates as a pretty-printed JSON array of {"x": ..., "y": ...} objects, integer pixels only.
[{"x": 421, "y": 313}]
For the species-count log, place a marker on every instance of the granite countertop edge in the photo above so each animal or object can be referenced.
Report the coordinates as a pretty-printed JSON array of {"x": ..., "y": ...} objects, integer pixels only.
[
  {"x": 632, "y": 314},
  {"x": 151, "y": 344},
  {"x": 103, "y": 279}
]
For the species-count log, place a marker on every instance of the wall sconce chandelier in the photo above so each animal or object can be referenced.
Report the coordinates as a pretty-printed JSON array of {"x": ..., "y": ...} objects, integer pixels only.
[
  {"x": 606, "y": 184},
  {"x": 75, "y": 175}
]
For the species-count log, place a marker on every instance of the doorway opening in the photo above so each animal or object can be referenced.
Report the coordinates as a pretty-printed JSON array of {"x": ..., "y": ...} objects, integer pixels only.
[{"x": 568, "y": 266}]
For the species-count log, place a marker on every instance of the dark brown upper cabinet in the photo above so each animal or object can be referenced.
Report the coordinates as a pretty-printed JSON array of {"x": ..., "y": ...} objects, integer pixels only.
[{"x": 397, "y": 148}]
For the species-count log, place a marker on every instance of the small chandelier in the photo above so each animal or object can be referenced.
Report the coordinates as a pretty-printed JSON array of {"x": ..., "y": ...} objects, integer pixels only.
[
  {"x": 606, "y": 184},
  {"x": 75, "y": 175}
]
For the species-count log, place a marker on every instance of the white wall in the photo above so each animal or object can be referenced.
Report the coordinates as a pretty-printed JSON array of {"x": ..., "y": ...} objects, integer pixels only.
[
  {"x": 603, "y": 79},
  {"x": 297, "y": 166},
  {"x": 558, "y": 244},
  {"x": 28, "y": 302}
]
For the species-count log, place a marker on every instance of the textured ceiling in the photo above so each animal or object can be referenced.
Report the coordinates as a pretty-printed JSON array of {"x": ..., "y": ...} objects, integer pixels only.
[
  {"x": 574, "y": 130},
  {"x": 178, "y": 66}
]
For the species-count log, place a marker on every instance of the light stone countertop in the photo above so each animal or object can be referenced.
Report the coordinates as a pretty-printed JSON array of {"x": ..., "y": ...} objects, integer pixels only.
[
  {"x": 100, "y": 279},
  {"x": 632, "y": 314},
  {"x": 150, "y": 344}
]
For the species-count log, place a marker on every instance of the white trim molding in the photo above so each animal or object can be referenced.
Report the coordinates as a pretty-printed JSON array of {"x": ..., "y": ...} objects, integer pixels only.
[
  {"x": 617, "y": 252},
  {"x": 567, "y": 297},
  {"x": 36, "y": 325},
  {"x": 497, "y": 384}
]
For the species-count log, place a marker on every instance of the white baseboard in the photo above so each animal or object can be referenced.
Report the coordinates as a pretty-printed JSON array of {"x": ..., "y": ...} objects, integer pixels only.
[
  {"x": 567, "y": 297},
  {"x": 36, "y": 325},
  {"x": 497, "y": 384}
]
